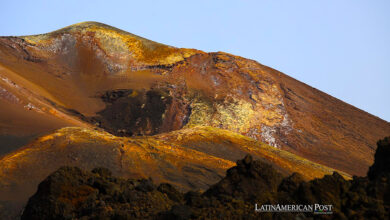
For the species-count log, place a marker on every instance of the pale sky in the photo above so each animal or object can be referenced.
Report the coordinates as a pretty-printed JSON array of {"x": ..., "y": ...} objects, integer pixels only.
[{"x": 341, "y": 47}]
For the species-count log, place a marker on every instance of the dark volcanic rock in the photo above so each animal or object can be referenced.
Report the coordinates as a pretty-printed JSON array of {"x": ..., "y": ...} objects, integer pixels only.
[
  {"x": 130, "y": 112},
  {"x": 247, "y": 181},
  {"x": 138, "y": 112},
  {"x": 381, "y": 164},
  {"x": 72, "y": 193}
]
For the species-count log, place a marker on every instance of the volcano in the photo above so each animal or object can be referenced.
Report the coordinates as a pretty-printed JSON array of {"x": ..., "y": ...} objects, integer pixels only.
[{"x": 93, "y": 95}]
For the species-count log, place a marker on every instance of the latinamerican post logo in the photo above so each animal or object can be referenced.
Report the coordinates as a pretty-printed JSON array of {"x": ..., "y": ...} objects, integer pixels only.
[{"x": 312, "y": 208}]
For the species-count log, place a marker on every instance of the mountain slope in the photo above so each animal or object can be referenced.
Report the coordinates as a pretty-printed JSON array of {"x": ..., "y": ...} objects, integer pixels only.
[
  {"x": 100, "y": 96},
  {"x": 91, "y": 74},
  {"x": 190, "y": 159}
]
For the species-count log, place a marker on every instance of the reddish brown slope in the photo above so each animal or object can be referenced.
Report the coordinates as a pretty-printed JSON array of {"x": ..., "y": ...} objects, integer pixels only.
[
  {"x": 328, "y": 130},
  {"x": 128, "y": 85},
  {"x": 294, "y": 116},
  {"x": 24, "y": 112}
]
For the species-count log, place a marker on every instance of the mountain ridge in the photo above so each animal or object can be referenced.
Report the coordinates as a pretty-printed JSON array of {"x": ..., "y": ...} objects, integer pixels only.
[
  {"x": 111, "y": 84},
  {"x": 113, "y": 40},
  {"x": 212, "y": 89}
]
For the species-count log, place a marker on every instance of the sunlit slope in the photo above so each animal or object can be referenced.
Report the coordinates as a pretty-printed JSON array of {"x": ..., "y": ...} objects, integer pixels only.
[
  {"x": 25, "y": 112},
  {"x": 75, "y": 63},
  {"x": 93, "y": 75},
  {"x": 191, "y": 158},
  {"x": 113, "y": 42}
]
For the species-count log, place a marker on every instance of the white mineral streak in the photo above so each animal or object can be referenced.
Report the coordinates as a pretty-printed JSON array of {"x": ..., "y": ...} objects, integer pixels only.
[
  {"x": 30, "y": 106},
  {"x": 8, "y": 96},
  {"x": 268, "y": 135},
  {"x": 9, "y": 82}
]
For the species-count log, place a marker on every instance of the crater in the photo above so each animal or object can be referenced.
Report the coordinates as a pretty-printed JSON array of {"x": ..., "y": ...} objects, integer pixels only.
[{"x": 131, "y": 112}]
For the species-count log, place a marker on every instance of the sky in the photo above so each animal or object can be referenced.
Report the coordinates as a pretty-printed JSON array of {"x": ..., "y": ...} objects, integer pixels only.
[{"x": 341, "y": 47}]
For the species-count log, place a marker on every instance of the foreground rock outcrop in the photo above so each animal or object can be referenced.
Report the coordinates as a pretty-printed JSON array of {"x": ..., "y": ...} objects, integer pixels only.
[{"x": 72, "y": 193}]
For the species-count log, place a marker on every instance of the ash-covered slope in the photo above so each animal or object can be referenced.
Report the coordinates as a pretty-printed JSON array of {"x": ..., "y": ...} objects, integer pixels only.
[{"x": 91, "y": 74}]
